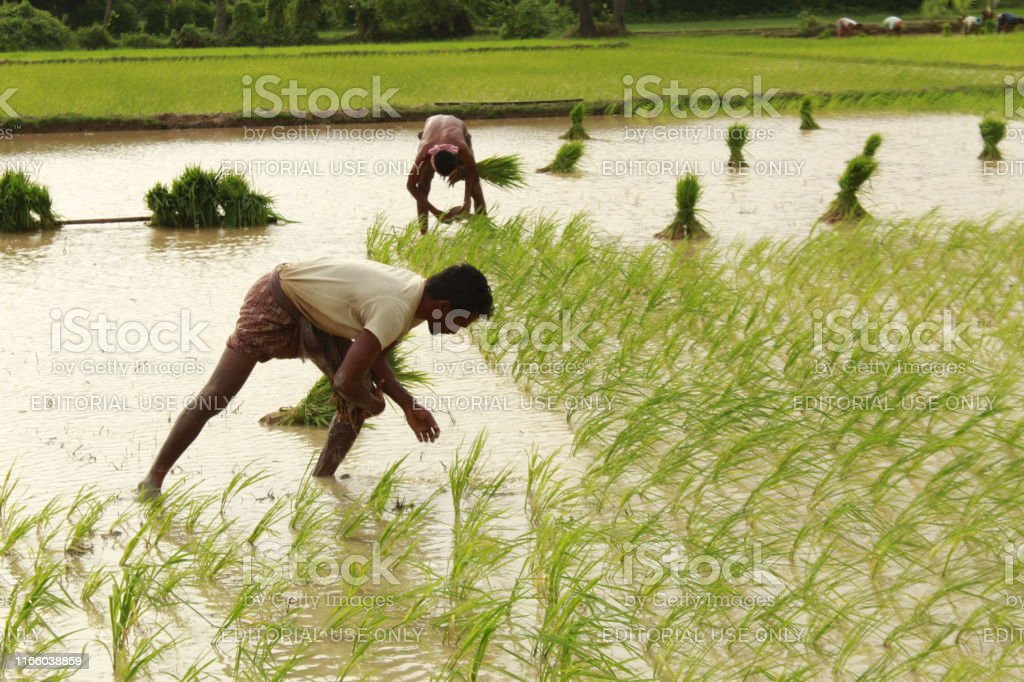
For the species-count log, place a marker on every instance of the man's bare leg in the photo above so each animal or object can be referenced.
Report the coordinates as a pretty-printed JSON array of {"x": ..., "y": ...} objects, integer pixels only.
[
  {"x": 340, "y": 438},
  {"x": 227, "y": 380}
]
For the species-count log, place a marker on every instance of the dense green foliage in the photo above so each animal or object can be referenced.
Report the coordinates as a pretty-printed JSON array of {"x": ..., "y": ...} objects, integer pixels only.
[
  {"x": 24, "y": 205},
  {"x": 201, "y": 198},
  {"x": 23, "y": 27}
]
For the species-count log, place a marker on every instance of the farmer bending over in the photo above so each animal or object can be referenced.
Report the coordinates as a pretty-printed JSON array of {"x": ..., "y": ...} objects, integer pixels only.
[
  {"x": 446, "y": 148},
  {"x": 847, "y": 27},
  {"x": 342, "y": 315},
  {"x": 971, "y": 24},
  {"x": 894, "y": 25},
  {"x": 1007, "y": 22}
]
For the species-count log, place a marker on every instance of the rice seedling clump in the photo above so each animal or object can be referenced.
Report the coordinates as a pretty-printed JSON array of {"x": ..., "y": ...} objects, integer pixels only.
[
  {"x": 566, "y": 159},
  {"x": 504, "y": 172},
  {"x": 992, "y": 133},
  {"x": 807, "y": 121},
  {"x": 846, "y": 207},
  {"x": 686, "y": 224},
  {"x": 736, "y": 140},
  {"x": 872, "y": 144},
  {"x": 25, "y": 206},
  {"x": 200, "y": 198},
  {"x": 576, "y": 130}
]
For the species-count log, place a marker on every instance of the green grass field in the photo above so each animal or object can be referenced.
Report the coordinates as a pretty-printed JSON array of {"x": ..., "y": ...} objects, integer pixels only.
[{"x": 926, "y": 73}]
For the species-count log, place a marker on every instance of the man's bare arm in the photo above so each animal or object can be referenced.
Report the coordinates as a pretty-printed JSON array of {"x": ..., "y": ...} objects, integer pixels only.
[
  {"x": 352, "y": 380},
  {"x": 388, "y": 382}
]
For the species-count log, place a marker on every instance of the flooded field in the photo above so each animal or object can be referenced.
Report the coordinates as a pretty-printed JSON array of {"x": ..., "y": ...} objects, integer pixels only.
[{"x": 83, "y": 414}]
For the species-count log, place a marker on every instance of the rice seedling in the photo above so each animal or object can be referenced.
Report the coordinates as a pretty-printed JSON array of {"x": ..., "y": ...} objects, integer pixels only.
[
  {"x": 846, "y": 207},
  {"x": 576, "y": 130},
  {"x": 25, "y": 206},
  {"x": 807, "y": 121},
  {"x": 31, "y": 603},
  {"x": 871, "y": 145},
  {"x": 242, "y": 206},
  {"x": 687, "y": 224},
  {"x": 504, "y": 172},
  {"x": 993, "y": 131},
  {"x": 566, "y": 159},
  {"x": 736, "y": 139},
  {"x": 200, "y": 198},
  {"x": 865, "y": 521}
]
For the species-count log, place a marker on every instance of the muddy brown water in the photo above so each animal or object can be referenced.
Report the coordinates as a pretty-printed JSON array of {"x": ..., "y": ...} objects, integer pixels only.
[{"x": 94, "y": 416}]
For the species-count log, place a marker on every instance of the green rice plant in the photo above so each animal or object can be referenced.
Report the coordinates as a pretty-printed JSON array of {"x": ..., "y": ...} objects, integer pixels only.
[
  {"x": 566, "y": 159},
  {"x": 576, "y": 130},
  {"x": 201, "y": 198},
  {"x": 736, "y": 139},
  {"x": 993, "y": 131},
  {"x": 687, "y": 224},
  {"x": 274, "y": 513},
  {"x": 381, "y": 494},
  {"x": 30, "y": 604},
  {"x": 94, "y": 580},
  {"x": 504, "y": 172},
  {"x": 872, "y": 144},
  {"x": 25, "y": 206},
  {"x": 88, "y": 509},
  {"x": 846, "y": 207},
  {"x": 807, "y": 121},
  {"x": 242, "y": 207}
]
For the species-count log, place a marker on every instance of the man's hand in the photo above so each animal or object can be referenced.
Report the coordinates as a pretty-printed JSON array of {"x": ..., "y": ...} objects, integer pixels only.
[{"x": 422, "y": 423}]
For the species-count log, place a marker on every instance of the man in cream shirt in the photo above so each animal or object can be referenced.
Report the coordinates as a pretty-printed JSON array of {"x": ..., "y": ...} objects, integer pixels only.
[{"x": 342, "y": 315}]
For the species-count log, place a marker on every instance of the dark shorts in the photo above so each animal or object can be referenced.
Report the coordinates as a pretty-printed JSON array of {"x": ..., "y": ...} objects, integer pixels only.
[{"x": 266, "y": 331}]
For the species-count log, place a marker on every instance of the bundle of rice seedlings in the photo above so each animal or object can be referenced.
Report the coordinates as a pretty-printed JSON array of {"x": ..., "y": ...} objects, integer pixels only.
[
  {"x": 874, "y": 141},
  {"x": 24, "y": 205},
  {"x": 504, "y": 172},
  {"x": 686, "y": 224},
  {"x": 566, "y": 159},
  {"x": 241, "y": 205},
  {"x": 992, "y": 133},
  {"x": 807, "y": 121},
  {"x": 576, "y": 130},
  {"x": 317, "y": 408},
  {"x": 736, "y": 140},
  {"x": 846, "y": 206},
  {"x": 200, "y": 198}
]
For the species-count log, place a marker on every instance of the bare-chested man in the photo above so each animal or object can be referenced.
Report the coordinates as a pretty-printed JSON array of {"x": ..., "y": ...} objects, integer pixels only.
[{"x": 446, "y": 148}]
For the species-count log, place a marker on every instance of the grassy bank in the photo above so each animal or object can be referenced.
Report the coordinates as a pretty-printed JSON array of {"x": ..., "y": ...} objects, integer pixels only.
[{"x": 912, "y": 74}]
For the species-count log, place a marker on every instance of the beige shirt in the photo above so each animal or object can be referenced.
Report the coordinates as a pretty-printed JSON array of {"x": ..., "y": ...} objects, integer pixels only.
[{"x": 344, "y": 297}]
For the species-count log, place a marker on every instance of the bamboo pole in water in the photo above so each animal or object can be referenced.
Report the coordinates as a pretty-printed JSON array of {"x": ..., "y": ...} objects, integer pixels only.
[{"x": 100, "y": 221}]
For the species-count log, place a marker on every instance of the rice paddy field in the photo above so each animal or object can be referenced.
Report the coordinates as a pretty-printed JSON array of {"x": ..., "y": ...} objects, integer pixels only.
[
  {"x": 788, "y": 450},
  {"x": 924, "y": 73}
]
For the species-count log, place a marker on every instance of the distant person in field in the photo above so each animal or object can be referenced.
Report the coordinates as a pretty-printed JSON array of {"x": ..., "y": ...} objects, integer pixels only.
[
  {"x": 846, "y": 27},
  {"x": 1007, "y": 22},
  {"x": 894, "y": 25},
  {"x": 343, "y": 315},
  {"x": 971, "y": 25},
  {"x": 446, "y": 148}
]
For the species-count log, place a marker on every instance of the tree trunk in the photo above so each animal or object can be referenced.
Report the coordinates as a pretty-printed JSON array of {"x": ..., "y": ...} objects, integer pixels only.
[
  {"x": 587, "y": 27},
  {"x": 619, "y": 15},
  {"x": 220, "y": 21},
  {"x": 108, "y": 13}
]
